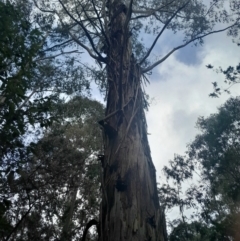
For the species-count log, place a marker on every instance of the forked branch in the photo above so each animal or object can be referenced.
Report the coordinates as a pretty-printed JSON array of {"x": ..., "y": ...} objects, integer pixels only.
[
  {"x": 101, "y": 25},
  {"x": 76, "y": 40},
  {"x": 162, "y": 30},
  {"x": 100, "y": 57},
  {"x": 149, "y": 68}
]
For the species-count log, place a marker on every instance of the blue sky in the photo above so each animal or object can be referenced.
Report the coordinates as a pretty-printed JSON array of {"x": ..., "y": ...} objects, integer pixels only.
[
  {"x": 179, "y": 93},
  {"x": 189, "y": 55}
]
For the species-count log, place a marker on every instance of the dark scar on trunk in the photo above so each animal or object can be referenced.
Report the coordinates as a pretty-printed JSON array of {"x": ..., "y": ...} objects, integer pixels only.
[{"x": 121, "y": 185}]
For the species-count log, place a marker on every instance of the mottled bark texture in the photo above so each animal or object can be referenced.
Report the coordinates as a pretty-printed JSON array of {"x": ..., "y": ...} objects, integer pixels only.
[{"x": 130, "y": 205}]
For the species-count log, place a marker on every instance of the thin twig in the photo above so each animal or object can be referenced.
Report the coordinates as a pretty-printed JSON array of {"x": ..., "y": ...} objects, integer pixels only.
[
  {"x": 162, "y": 30},
  {"x": 62, "y": 53},
  {"x": 100, "y": 57}
]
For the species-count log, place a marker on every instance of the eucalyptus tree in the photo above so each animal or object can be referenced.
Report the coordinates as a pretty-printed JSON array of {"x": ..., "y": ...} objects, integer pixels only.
[
  {"x": 58, "y": 188},
  {"x": 31, "y": 83},
  {"x": 195, "y": 231},
  {"x": 29, "y": 80},
  {"x": 109, "y": 31},
  {"x": 214, "y": 156}
]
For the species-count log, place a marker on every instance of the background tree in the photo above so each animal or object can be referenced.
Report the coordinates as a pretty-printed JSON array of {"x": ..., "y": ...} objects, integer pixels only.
[
  {"x": 214, "y": 155},
  {"x": 194, "y": 231},
  {"x": 58, "y": 188},
  {"x": 108, "y": 31},
  {"x": 32, "y": 82}
]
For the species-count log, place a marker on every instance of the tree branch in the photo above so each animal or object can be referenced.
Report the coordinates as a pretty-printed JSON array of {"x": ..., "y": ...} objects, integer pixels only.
[
  {"x": 86, "y": 48},
  {"x": 183, "y": 45},
  {"x": 149, "y": 12},
  {"x": 162, "y": 30},
  {"x": 210, "y": 8},
  {"x": 18, "y": 224},
  {"x": 100, "y": 22},
  {"x": 89, "y": 225},
  {"x": 90, "y": 20},
  {"x": 105, "y": 17},
  {"x": 62, "y": 53},
  {"x": 75, "y": 39},
  {"x": 27, "y": 99},
  {"x": 43, "y": 10},
  {"x": 129, "y": 13},
  {"x": 56, "y": 46},
  {"x": 100, "y": 57}
]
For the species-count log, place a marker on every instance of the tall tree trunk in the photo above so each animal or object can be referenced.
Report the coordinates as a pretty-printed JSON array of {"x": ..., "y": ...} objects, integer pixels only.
[{"x": 130, "y": 206}]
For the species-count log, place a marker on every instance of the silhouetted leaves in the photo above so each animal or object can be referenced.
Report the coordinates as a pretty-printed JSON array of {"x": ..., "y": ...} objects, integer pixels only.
[{"x": 214, "y": 155}]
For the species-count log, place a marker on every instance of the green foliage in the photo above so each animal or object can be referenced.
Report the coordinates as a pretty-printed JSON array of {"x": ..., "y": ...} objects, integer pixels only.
[
  {"x": 231, "y": 78},
  {"x": 60, "y": 181},
  {"x": 214, "y": 155},
  {"x": 5, "y": 226},
  {"x": 19, "y": 45},
  {"x": 37, "y": 179},
  {"x": 57, "y": 175},
  {"x": 194, "y": 231},
  {"x": 31, "y": 78}
]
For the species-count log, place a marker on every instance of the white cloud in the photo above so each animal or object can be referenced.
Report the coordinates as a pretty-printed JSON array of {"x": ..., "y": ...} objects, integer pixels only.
[{"x": 180, "y": 95}]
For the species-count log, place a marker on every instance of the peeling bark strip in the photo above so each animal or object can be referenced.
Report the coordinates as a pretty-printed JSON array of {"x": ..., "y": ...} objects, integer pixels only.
[{"x": 130, "y": 205}]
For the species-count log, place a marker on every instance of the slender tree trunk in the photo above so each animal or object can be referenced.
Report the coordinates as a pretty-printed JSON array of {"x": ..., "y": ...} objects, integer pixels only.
[
  {"x": 68, "y": 215},
  {"x": 130, "y": 206}
]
